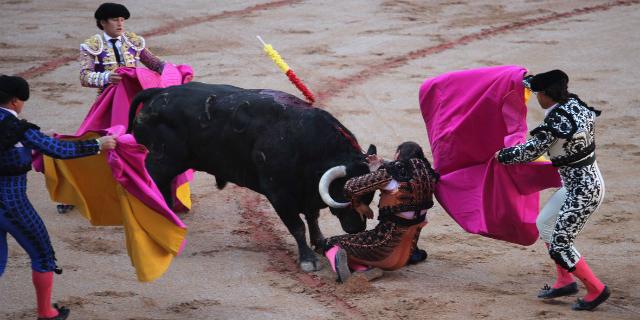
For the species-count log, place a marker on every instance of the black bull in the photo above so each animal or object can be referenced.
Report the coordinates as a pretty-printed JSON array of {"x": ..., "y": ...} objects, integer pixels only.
[{"x": 268, "y": 141}]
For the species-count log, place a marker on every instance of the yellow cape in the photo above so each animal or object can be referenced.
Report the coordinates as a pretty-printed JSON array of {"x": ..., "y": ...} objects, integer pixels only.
[{"x": 152, "y": 241}]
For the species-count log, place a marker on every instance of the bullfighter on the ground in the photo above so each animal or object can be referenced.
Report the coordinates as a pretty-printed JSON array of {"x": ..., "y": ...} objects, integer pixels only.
[
  {"x": 407, "y": 185},
  {"x": 17, "y": 215},
  {"x": 567, "y": 134}
]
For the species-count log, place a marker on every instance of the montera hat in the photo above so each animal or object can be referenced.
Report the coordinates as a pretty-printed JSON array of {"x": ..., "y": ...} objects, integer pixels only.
[
  {"x": 109, "y": 10},
  {"x": 14, "y": 87}
]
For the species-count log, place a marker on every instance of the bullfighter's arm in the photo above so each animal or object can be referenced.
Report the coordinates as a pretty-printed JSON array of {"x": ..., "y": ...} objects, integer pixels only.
[
  {"x": 151, "y": 61},
  {"x": 89, "y": 51},
  {"x": 59, "y": 149},
  {"x": 368, "y": 183},
  {"x": 88, "y": 76},
  {"x": 557, "y": 124},
  {"x": 147, "y": 57},
  {"x": 532, "y": 149}
]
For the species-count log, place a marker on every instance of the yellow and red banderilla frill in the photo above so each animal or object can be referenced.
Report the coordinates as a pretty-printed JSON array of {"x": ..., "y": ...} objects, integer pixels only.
[{"x": 277, "y": 59}]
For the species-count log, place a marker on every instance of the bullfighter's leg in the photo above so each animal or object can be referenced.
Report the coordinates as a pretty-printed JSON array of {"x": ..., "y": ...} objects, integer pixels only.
[
  {"x": 291, "y": 218},
  {"x": 315, "y": 234}
]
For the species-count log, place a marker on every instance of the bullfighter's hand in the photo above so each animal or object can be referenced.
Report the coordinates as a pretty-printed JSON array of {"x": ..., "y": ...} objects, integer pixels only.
[
  {"x": 363, "y": 209},
  {"x": 375, "y": 161},
  {"x": 107, "y": 142},
  {"x": 188, "y": 78},
  {"x": 114, "y": 78}
]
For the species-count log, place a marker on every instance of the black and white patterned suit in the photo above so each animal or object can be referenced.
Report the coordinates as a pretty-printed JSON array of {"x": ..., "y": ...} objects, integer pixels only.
[{"x": 567, "y": 135}]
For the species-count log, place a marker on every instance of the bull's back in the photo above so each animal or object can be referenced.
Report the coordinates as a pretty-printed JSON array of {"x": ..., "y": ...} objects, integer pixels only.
[{"x": 240, "y": 134}]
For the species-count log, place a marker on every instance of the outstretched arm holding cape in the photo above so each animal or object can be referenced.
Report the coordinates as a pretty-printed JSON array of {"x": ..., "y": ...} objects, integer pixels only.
[{"x": 469, "y": 116}]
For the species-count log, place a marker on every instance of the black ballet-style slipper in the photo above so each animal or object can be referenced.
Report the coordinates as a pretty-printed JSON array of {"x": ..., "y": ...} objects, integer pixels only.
[
  {"x": 64, "y": 208},
  {"x": 550, "y": 293},
  {"x": 63, "y": 313},
  {"x": 417, "y": 256},
  {"x": 581, "y": 305}
]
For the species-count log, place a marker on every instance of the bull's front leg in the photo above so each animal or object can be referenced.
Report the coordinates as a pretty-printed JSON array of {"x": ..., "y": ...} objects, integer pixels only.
[
  {"x": 291, "y": 218},
  {"x": 315, "y": 234},
  {"x": 162, "y": 171}
]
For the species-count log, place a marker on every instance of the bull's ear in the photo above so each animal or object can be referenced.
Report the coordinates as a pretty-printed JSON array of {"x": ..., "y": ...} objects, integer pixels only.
[{"x": 372, "y": 150}]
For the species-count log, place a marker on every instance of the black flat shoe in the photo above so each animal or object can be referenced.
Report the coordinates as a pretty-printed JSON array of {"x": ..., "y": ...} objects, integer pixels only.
[
  {"x": 417, "y": 256},
  {"x": 584, "y": 305},
  {"x": 63, "y": 313},
  {"x": 64, "y": 208},
  {"x": 550, "y": 293}
]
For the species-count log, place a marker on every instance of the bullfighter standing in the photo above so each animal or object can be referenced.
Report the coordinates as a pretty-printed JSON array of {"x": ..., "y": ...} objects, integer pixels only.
[
  {"x": 407, "y": 186},
  {"x": 103, "y": 53},
  {"x": 112, "y": 48},
  {"x": 568, "y": 136},
  {"x": 17, "y": 215}
]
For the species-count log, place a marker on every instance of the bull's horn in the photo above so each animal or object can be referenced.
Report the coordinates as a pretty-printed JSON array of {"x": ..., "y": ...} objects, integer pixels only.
[{"x": 325, "y": 181}]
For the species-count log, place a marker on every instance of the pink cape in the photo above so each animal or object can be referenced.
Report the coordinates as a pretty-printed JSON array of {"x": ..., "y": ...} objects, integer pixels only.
[
  {"x": 112, "y": 106},
  {"x": 469, "y": 116}
]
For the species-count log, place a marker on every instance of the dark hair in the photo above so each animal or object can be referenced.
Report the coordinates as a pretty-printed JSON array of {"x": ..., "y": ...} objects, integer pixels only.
[
  {"x": 5, "y": 98},
  {"x": 109, "y": 10},
  {"x": 558, "y": 92},
  {"x": 409, "y": 150},
  {"x": 13, "y": 87}
]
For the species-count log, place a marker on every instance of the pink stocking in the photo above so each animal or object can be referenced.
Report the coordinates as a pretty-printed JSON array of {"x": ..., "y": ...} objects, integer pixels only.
[
  {"x": 43, "y": 282},
  {"x": 331, "y": 256},
  {"x": 564, "y": 277},
  {"x": 593, "y": 284}
]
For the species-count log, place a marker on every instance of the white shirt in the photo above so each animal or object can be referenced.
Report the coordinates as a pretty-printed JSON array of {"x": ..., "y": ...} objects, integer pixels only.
[
  {"x": 118, "y": 43},
  {"x": 546, "y": 112},
  {"x": 13, "y": 112},
  {"x": 392, "y": 186}
]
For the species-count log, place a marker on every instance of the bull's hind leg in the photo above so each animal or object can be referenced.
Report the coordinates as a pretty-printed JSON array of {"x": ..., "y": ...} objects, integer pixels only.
[
  {"x": 315, "y": 234},
  {"x": 291, "y": 218}
]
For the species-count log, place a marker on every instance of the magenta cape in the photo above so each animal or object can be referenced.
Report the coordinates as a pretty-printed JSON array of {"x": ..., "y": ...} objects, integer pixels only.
[
  {"x": 112, "y": 108},
  {"x": 469, "y": 116}
]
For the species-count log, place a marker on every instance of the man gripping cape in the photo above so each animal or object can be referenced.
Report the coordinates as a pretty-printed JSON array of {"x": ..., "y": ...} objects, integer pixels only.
[{"x": 470, "y": 115}]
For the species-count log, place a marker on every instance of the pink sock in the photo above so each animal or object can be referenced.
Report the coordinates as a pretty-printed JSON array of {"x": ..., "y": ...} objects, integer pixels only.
[
  {"x": 564, "y": 277},
  {"x": 358, "y": 267},
  {"x": 43, "y": 282},
  {"x": 593, "y": 284},
  {"x": 331, "y": 256}
]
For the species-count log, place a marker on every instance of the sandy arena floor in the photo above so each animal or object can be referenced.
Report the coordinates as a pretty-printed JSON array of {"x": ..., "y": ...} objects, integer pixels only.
[{"x": 365, "y": 60}]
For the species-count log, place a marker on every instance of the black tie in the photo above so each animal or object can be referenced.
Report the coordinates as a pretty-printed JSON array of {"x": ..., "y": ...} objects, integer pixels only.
[{"x": 115, "y": 51}]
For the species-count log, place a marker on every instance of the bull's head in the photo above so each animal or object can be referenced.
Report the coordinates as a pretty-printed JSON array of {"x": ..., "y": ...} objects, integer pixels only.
[{"x": 331, "y": 188}]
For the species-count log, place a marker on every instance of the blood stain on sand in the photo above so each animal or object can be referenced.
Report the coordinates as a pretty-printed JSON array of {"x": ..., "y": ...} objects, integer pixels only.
[
  {"x": 196, "y": 304},
  {"x": 265, "y": 236}
]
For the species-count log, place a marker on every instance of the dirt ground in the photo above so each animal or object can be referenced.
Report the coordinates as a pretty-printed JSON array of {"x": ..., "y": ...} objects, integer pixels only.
[{"x": 365, "y": 60}]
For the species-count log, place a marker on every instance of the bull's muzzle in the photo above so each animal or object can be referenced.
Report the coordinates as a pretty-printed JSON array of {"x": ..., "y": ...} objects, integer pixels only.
[{"x": 325, "y": 182}]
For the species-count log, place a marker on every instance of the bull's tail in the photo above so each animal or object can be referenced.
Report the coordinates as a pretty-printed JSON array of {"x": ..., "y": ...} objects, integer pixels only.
[{"x": 141, "y": 97}]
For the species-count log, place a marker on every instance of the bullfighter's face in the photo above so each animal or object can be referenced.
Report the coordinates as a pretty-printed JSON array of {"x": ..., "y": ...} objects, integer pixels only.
[
  {"x": 351, "y": 220},
  {"x": 114, "y": 27},
  {"x": 16, "y": 105}
]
